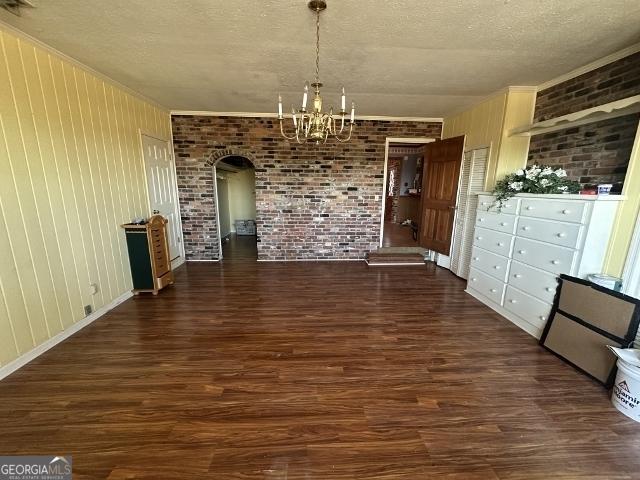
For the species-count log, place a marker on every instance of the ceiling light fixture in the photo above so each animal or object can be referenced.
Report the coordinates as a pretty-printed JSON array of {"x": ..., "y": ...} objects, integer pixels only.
[{"x": 315, "y": 125}]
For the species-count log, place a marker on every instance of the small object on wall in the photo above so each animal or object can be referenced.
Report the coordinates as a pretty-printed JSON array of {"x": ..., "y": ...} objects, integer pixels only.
[
  {"x": 604, "y": 188},
  {"x": 589, "y": 190},
  {"x": 149, "y": 255}
]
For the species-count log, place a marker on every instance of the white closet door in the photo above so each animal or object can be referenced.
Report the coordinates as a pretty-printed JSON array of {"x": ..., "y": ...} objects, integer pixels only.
[
  {"x": 472, "y": 182},
  {"x": 461, "y": 214}
]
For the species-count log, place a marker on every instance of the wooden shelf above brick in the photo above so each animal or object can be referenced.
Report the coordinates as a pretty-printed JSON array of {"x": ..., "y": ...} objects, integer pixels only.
[{"x": 619, "y": 108}]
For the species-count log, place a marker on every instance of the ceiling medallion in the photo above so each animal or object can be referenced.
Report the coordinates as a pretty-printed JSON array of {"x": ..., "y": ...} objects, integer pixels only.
[{"x": 315, "y": 125}]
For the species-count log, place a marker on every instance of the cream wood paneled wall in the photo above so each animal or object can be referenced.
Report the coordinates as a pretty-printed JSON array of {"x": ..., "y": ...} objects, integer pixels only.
[
  {"x": 71, "y": 171},
  {"x": 483, "y": 126},
  {"x": 488, "y": 124},
  {"x": 626, "y": 218}
]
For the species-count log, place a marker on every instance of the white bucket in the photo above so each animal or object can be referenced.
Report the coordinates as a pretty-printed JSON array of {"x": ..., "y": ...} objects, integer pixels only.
[{"x": 626, "y": 390}]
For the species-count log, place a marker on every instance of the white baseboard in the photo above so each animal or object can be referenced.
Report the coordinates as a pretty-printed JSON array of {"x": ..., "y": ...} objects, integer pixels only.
[
  {"x": 520, "y": 322},
  {"x": 176, "y": 262},
  {"x": 25, "y": 358},
  {"x": 196, "y": 260}
]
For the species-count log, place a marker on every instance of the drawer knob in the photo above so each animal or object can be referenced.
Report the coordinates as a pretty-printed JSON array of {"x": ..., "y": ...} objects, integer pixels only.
[
  {"x": 562, "y": 235},
  {"x": 500, "y": 244},
  {"x": 476, "y": 258},
  {"x": 555, "y": 262},
  {"x": 485, "y": 203},
  {"x": 522, "y": 252},
  {"x": 497, "y": 267},
  {"x": 493, "y": 290},
  {"x": 549, "y": 289},
  {"x": 513, "y": 301},
  {"x": 566, "y": 212},
  {"x": 517, "y": 275},
  {"x": 526, "y": 227},
  {"x": 474, "y": 279},
  {"x": 503, "y": 224},
  {"x": 543, "y": 318},
  {"x": 478, "y": 238},
  {"x": 529, "y": 207},
  {"x": 481, "y": 219}
]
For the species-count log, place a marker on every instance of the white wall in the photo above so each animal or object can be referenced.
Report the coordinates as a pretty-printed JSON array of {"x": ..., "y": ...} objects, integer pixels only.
[
  {"x": 242, "y": 196},
  {"x": 222, "y": 186}
]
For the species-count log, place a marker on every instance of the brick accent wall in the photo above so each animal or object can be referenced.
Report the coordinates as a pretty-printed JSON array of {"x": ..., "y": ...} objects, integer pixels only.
[
  {"x": 312, "y": 202},
  {"x": 611, "y": 82},
  {"x": 591, "y": 154},
  {"x": 598, "y": 152}
]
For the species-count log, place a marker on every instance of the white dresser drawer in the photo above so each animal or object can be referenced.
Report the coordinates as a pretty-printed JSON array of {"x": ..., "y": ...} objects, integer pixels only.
[
  {"x": 495, "y": 265},
  {"x": 496, "y": 242},
  {"x": 486, "y": 201},
  {"x": 527, "y": 307},
  {"x": 562, "y": 210},
  {"x": 558, "y": 233},
  {"x": 550, "y": 258},
  {"x": 488, "y": 286},
  {"x": 535, "y": 282},
  {"x": 496, "y": 221}
]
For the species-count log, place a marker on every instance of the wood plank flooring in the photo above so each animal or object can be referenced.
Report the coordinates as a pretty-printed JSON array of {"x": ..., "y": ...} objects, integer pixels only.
[{"x": 247, "y": 370}]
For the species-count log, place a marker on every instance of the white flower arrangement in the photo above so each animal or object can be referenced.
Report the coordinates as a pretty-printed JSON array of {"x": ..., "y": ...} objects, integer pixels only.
[{"x": 534, "y": 179}]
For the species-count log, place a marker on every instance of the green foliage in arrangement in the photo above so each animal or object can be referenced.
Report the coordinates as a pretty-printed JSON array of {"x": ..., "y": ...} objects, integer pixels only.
[{"x": 534, "y": 179}]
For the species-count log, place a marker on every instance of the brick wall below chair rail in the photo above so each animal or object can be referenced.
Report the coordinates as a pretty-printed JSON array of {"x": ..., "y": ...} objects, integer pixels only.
[
  {"x": 312, "y": 201},
  {"x": 591, "y": 154}
]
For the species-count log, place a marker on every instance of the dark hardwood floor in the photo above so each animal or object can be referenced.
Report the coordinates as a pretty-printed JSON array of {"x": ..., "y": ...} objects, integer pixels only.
[
  {"x": 240, "y": 247},
  {"x": 397, "y": 235},
  {"x": 246, "y": 370}
]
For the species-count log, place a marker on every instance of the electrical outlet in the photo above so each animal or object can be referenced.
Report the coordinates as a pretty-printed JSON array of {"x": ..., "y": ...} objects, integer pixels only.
[
  {"x": 93, "y": 288},
  {"x": 88, "y": 310}
]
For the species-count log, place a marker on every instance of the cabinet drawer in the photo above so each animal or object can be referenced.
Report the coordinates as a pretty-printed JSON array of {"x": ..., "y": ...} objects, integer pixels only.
[
  {"x": 486, "y": 201},
  {"x": 563, "y": 234},
  {"x": 527, "y": 307},
  {"x": 550, "y": 258},
  {"x": 566, "y": 211},
  {"x": 496, "y": 221},
  {"x": 488, "y": 286},
  {"x": 535, "y": 282},
  {"x": 496, "y": 242},
  {"x": 495, "y": 265}
]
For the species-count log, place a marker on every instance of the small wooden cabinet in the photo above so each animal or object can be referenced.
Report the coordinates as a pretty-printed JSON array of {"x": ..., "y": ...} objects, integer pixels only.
[{"x": 149, "y": 255}]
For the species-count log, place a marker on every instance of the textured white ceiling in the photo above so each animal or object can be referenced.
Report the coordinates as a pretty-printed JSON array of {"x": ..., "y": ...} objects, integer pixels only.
[{"x": 395, "y": 57}]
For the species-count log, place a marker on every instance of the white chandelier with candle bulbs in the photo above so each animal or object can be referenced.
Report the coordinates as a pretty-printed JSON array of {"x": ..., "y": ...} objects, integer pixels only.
[{"x": 315, "y": 125}]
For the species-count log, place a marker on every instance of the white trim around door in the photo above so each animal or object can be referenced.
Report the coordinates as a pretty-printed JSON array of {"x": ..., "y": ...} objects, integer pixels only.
[{"x": 389, "y": 141}]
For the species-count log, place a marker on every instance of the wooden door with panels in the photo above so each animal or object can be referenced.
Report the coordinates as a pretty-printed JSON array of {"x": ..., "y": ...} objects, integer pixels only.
[{"x": 442, "y": 162}]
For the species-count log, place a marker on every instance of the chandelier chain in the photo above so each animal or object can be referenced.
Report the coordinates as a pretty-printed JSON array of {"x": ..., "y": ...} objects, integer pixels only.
[{"x": 317, "y": 46}]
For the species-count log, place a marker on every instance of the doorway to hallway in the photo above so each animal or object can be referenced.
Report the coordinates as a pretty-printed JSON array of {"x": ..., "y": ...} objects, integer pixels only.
[{"x": 236, "y": 208}]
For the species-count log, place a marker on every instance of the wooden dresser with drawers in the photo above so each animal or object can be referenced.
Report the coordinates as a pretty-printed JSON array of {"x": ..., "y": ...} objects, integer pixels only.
[
  {"x": 519, "y": 251},
  {"x": 149, "y": 255}
]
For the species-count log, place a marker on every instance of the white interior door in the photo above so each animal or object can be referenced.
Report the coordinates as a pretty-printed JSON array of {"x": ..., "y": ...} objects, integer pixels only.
[{"x": 161, "y": 182}]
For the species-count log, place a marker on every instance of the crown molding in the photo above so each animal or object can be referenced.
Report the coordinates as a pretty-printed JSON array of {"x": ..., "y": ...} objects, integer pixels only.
[
  {"x": 625, "y": 52},
  {"x": 502, "y": 91},
  {"x": 39, "y": 43},
  {"x": 382, "y": 118}
]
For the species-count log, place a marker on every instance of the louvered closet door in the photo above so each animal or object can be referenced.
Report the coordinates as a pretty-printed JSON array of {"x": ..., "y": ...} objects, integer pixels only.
[
  {"x": 463, "y": 191},
  {"x": 472, "y": 181}
]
